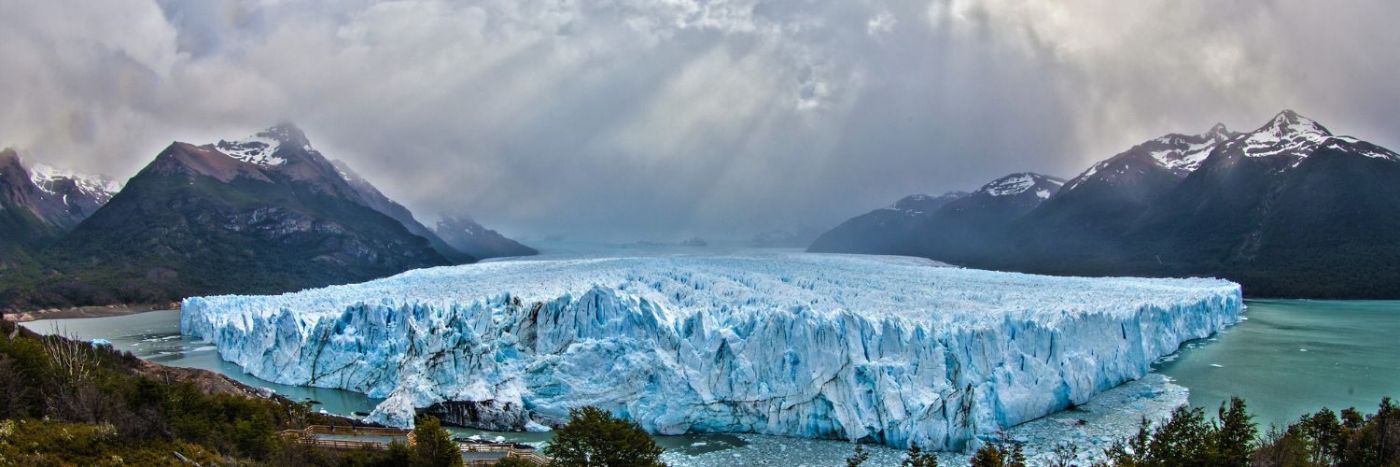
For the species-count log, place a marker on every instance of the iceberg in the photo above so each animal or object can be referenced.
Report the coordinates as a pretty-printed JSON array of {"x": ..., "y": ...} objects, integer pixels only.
[{"x": 888, "y": 350}]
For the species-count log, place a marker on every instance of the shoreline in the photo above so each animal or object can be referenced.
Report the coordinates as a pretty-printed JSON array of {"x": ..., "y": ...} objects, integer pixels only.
[{"x": 95, "y": 311}]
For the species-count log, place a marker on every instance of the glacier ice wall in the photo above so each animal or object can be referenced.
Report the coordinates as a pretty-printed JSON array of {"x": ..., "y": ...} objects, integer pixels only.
[{"x": 883, "y": 349}]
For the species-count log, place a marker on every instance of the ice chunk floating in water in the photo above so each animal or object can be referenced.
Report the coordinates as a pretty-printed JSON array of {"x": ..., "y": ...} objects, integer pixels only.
[{"x": 828, "y": 346}]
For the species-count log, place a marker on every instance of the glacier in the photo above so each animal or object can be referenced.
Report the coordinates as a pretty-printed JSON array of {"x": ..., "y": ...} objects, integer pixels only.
[{"x": 879, "y": 349}]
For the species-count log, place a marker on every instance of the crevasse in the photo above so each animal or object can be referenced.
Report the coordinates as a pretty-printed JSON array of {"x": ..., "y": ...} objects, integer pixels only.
[{"x": 884, "y": 349}]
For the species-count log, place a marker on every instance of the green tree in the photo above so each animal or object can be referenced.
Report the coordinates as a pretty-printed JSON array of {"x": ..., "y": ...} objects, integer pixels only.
[
  {"x": 917, "y": 457},
  {"x": 1234, "y": 439},
  {"x": 433, "y": 445},
  {"x": 997, "y": 455},
  {"x": 858, "y": 457},
  {"x": 1324, "y": 439},
  {"x": 594, "y": 438}
]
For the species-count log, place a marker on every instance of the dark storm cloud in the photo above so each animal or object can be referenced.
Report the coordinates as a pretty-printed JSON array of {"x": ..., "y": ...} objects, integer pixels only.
[{"x": 634, "y": 119}]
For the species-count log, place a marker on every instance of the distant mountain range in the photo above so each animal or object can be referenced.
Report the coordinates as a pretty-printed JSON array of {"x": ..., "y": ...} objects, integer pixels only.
[
  {"x": 1287, "y": 210},
  {"x": 466, "y": 235},
  {"x": 954, "y": 226},
  {"x": 264, "y": 214}
]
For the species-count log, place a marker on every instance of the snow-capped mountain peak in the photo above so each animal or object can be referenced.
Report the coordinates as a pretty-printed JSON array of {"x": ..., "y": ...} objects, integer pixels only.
[
  {"x": 261, "y": 148},
  {"x": 1018, "y": 183},
  {"x": 55, "y": 197},
  {"x": 1184, "y": 153},
  {"x": 1289, "y": 122},
  {"x": 1288, "y": 134},
  {"x": 1178, "y": 153},
  {"x": 46, "y": 177}
]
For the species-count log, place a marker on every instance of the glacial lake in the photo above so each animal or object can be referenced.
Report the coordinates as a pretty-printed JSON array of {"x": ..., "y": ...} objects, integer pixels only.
[
  {"x": 1287, "y": 358},
  {"x": 1292, "y": 357}
]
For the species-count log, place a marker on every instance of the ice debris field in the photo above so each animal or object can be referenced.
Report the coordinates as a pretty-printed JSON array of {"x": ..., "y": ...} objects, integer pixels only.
[{"x": 881, "y": 349}]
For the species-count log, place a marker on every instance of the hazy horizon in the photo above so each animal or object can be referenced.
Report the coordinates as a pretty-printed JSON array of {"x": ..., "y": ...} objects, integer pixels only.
[{"x": 641, "y": 121}]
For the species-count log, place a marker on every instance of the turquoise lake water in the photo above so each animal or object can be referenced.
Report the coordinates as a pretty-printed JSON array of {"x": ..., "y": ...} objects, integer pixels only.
[{"x": 1295, "y": 356}]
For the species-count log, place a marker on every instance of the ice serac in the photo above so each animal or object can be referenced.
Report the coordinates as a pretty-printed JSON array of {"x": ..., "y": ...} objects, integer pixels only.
[{"x": 883, "y": 349}]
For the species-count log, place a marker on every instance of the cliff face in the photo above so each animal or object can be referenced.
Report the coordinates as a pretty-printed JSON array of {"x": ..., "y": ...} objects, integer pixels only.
[{"x": 819, "y": 346}]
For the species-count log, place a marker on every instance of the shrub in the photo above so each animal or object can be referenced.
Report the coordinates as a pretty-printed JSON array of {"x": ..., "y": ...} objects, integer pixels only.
[
  {"x": 433, "y": 445},
  {"x": 998, "y": 455},
  {"x": 594, "y": 438}
]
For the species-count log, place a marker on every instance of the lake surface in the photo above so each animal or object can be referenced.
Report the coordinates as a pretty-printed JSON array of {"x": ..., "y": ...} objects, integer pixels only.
[
  {"x": 1295, "y": 356},
  {"x": 1288, "y": 358}
]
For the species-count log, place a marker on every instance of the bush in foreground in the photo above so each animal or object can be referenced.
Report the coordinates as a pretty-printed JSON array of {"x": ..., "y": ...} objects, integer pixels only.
[
  {"x": 998, "y": 455},
  {"x": 433, "y": 445},
  {"x": 594, "y": 438},
  {"x": 66, "y": 402},
  {"x": 1320, "y": 439}
]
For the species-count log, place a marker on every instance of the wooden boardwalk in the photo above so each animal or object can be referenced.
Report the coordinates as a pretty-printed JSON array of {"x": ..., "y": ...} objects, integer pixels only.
[{"x": 474, "y": 453}]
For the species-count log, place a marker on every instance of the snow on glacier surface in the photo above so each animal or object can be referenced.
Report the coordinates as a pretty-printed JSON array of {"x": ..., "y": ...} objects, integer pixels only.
[{"x": 882, "y": 349}]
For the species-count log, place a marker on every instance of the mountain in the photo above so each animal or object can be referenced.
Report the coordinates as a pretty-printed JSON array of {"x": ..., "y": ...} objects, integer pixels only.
[
  {"x": 261, "y": 215},
  {"x": 975, "y": 226},
  {"x": 884, "y": 230},
  {"x": 372, "y": 197},
  {"x": 466, "y": 235},
  {"x": 1103, "y": 202},
  {"x": 40, "y": 203},
  {"x": 1287, "y": 210},
  {"x": 952, "y": 227},
  {"x": 78, "y": 195}
]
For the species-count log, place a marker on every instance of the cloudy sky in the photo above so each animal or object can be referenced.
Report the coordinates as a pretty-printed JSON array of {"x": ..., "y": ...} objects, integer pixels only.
[{"x": 667, "y": 118}]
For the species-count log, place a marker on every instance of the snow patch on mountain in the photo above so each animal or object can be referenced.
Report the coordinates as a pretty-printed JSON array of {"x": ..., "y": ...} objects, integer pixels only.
[
  {"x": 1348, "y": 143},
  {"x": 922, "y": 203},
  {"x": 99, "y": 188},
  {"x": 1016, "y": 184},
  {"x": 256, "y": 150},
  {"x": 1178, "y": 153},
  {"x": 911, "y": 199},
  {"x": 886, "y": 349},
  {"x": 1289, "y": 135},
  {"x": 1185, "y": 153},
  {"x": 261, "y": 149},
  {"x": 1013, "y": 185},
  {"x": 1094, "y": 169}
]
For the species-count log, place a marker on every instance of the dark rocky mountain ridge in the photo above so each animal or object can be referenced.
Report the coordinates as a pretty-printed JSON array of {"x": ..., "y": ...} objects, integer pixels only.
[
  {"x": 1287, "y": 210},
  {"x": 264, "y": 215}
]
